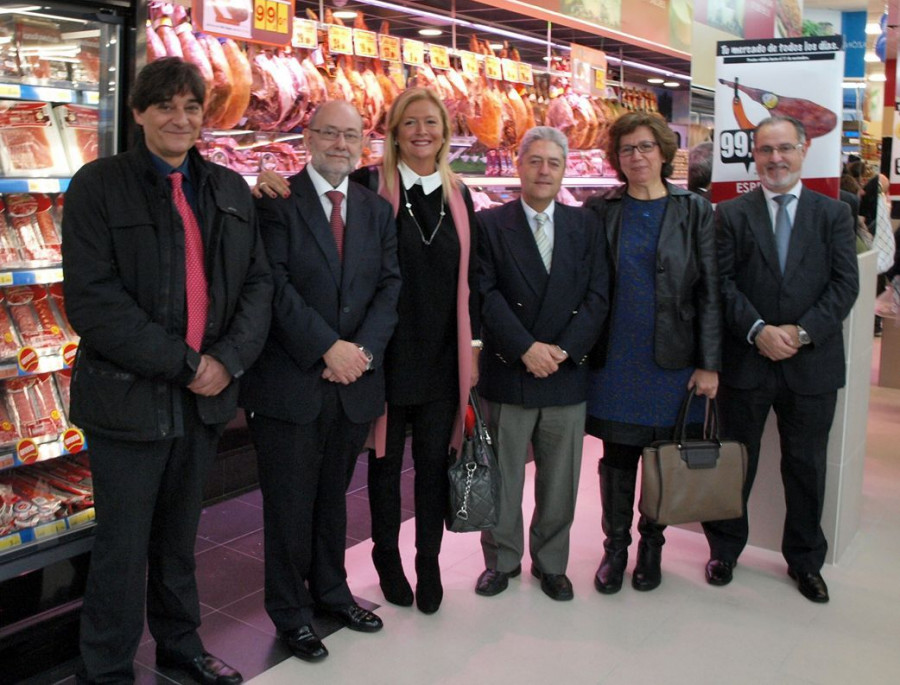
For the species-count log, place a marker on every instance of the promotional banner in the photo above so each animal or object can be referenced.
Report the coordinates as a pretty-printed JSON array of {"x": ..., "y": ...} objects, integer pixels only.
[{"x": 755, "y": 79}]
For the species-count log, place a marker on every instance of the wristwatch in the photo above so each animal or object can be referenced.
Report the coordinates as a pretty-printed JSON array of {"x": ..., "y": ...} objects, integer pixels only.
[
  {"x": 803, "y": 336},
  {"x": 369, "y": 357}
]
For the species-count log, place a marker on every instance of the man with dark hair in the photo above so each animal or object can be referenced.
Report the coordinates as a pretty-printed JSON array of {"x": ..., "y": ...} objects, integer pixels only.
[
  {"x": 787, "y": 264},
  {"x": 168, "y": 286},
  {"x": 700, "y": 168}
]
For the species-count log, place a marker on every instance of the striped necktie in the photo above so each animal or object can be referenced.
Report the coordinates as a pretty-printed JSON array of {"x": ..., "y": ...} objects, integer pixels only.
[
  {"x": 337, "y": 223},
  {"x": 543, "y": 242}
]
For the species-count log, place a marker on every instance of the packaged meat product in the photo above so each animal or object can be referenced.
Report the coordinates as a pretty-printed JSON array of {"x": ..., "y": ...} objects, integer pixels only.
[
  {"x": 29, "y": 140},
  {"x": 9, "y": 434},
  {"x": 63, "y": 379},
  {"x": 9, "y": 246},
  {"x": 78, "y": 125},
  {"x": 33, "y": 316},
  {"x": 34, "y": 406},
  {"x": 56, "y": 295},
  {"x": 9, "y": 339},
  {"x": 31, "y": 218}
]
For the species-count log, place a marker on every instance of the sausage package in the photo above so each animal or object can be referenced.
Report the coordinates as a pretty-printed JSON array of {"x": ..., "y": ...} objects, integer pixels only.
[
  {"x": 78, "y": 125},
  {"x": 29, "y": 140},
  {"x": 9, "y": 338},
  {"x": 34, "y": 406},
  {"x": 31, "y": 225},
  {"x": 34, "y": 316}
]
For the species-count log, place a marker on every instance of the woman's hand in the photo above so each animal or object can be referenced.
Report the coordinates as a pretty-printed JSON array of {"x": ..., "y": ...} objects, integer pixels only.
[
  {"x": 705, "y": 382},
  {"x": 272, "y": 185}
]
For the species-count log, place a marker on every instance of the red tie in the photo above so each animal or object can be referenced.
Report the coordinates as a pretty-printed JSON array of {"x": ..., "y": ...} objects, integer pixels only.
[
  {"x": 195, "y": 275},
  {"x": 337, "y": 223}
]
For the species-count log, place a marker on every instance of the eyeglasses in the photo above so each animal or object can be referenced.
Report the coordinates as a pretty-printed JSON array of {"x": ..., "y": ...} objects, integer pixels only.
[
  {"x": 332, "y": 134},
  {"x": 644, "y": 147},
  {"x": 783, "y": 150}
]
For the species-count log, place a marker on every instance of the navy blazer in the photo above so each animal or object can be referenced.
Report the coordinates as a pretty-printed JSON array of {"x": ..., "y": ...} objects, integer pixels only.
[
  {"x": 523, "y": 304},
  {"x": 817, "y": 290},
  {"x": 319, "y": 301}
]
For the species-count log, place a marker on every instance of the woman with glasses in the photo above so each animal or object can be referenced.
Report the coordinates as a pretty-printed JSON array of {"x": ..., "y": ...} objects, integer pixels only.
[
  {"x": 432, "y": 360},
  {"x": 663, "y": 335}
]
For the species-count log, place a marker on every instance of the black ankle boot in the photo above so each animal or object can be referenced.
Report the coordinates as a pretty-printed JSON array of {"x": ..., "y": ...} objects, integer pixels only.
[
  {"x": 617, "y": 497},
  {"x": 648, "y": 570},
  {"x": 429, "y": 591},
  {"x": 391, "y": 578}
]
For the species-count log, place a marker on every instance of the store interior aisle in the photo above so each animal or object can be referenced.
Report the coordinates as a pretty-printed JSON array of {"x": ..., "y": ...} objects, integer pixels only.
[{"x": 759, "y": 629}]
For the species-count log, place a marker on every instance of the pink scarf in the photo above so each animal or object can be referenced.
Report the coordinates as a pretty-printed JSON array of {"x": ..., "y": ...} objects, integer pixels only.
[{"x": 378, "y": 435}]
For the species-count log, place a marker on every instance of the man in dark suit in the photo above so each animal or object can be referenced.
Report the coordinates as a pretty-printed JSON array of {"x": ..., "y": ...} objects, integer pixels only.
[
  {"x": 787, "y": 263},
  {"x": 544, "y": 288},
  {"x": 168, "y": 286},
  {"x": 319, "y": 382}
]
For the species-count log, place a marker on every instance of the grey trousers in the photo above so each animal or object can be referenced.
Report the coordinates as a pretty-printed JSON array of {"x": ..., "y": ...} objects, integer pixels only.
[{"x": 556, "y": 435}]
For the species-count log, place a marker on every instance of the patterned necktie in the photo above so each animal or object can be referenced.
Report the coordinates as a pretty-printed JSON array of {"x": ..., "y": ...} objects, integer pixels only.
[
  {"x": 337, "y": 223},
  {"x": 782, "y": 228},
  {"x": 195, "y": 284},
  {"x": 543, "y": 242}
]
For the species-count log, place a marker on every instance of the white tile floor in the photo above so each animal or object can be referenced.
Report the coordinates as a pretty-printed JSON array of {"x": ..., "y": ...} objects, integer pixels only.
[{"x": 757, "y": 630}]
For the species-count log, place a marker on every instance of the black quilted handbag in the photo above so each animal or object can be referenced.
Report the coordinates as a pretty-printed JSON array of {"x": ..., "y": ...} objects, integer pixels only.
[{"x": 474, "y": 479}]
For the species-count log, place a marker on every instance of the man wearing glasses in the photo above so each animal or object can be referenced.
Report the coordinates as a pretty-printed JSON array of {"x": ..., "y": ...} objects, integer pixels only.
[
  {"x": 787, "y": 265},
  {"x": 319, "y": 382}
]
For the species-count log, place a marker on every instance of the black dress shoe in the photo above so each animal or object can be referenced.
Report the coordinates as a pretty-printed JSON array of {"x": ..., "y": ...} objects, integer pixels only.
[
  {"x": 355, "y": 617},
  {"x": 811, "y": 585},
  {"x": 719, "y": 571},
  {"x": 555, "y": 585},
  {"x": 204, "y": 668},
  {"x": 304, "y": 643},
  {"x": 492, "y": 582}
]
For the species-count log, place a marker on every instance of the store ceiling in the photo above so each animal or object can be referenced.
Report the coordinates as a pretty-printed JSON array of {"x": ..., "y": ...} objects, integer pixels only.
[{"x": 407, "y": 25}]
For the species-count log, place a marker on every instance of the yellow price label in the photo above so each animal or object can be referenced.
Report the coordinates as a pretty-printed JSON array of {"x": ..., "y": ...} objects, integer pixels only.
[
  {"x": 6, "y": 278},
  {"x": 81, "y": 518},
  {"x": 389, "y": 48},
  {"x": 469, "y": 62},
  {"x": 492, "y": 68},
  {"x": 510, "y": 70},
  {"x": 305, "y": 34},
  {"x": 600, "y": 79},
  {"x": 46, "y": 530},
  {"x": 340, "y": 39},
  {"x": 366, "y": 43},
  {"x": 8, "y": 90},
  {"x": 414, "y": 52},
  {"x": 10, "y": 541},
  {"x": 271, "y": 15},
  {"x": 440, "y": 56},
  {"x": 525, "y": 74}
]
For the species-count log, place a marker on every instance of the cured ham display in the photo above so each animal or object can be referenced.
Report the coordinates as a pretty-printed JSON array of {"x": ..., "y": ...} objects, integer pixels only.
[{"x": 221, "y": 86}]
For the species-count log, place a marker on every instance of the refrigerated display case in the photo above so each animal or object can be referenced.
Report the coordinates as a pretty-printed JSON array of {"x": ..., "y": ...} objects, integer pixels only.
[{"x": 62, "y": 89}]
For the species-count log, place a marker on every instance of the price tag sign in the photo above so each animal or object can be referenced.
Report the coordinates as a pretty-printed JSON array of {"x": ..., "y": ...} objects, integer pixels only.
[
  {"x": 305, "y": 34},
  {"x": 366, "y": 43},
  {"x": 389, "y": 48},
  {"x": 510, "y": 70},
  {"x": 46, "y": 530},
  {"x": 10, "y": 541},
  {"x": 340, "y": 40},
  {"x": 440, "y": 56},
  {"x": 269, "y": 22},
  {"x": 469, "y": 62},
  {"x": 525, "y": 74},
  {"x": 414, "y": 52},
  {"x": 493, "y": 68},
  {"x": 8, "y": 90},
  {"x": 43, "y": 185},
  {"x": 271, "y": 16},
  {"x": 55, "y": 94},
  {"x": 81, "y": 518},
  {"x": 736, "y": 147}
]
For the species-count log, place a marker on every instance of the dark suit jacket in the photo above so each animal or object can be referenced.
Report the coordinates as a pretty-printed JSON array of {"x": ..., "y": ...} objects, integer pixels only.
[
  {"x": 817, "y": 290},
  {"x": 522, "y": 304},
  {"x": 318, "y": 301}
]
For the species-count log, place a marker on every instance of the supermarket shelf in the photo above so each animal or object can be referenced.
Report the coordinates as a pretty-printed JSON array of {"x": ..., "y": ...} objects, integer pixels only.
[
  {"x": 30, "y": 451},
  {"x": 35, "y": 548},
  {"x": 34, "y": 185},
  {"x": 29, "y": 361},
  {"x": 57, "y": 94},
  {"x": 35, "y": 276}
]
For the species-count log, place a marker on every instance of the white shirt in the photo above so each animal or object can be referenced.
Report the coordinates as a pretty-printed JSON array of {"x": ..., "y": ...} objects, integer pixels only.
[
  {"x": 548, "y": 224},
  {"x": 409, "y": 177},
  {"x": 791, "y": 206},
  {"x": 322, "y": 186}
]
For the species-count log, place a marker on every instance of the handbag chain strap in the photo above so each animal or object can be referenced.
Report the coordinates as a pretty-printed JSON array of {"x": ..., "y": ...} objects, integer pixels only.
[{"x": 463, "y": 512}]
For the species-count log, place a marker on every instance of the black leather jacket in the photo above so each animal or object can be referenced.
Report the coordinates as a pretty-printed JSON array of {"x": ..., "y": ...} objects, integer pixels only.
[
  {"x": 688, "y": 329},
  {"x": 123, "y": 256}
]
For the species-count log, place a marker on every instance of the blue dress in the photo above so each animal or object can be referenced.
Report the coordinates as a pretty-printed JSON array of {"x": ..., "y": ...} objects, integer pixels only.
[{"x": 632, "y": 396}]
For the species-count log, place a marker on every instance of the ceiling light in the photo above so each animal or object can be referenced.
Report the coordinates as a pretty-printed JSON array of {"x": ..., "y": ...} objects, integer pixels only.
[
  {"x": 655, "y": 79},
  {"x": 430, "y": 32},
  {"x": 873, "y": 28},
  {"x": 671, "y": 84},
  {"x": 345, "y": 14}
]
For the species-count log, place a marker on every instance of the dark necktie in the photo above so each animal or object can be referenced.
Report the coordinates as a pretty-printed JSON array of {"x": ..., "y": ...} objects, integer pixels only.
[
  {"x": 195, "y": 275},
  {"x": 782, "y": 228},
  {"x": 337, "y": 223}
]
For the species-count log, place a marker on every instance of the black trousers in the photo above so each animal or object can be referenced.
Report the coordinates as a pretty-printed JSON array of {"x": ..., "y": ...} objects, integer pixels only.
[
  {"x": 303, "y": 478},
  {"x": 148, "y": 497},
  {"x": 803, "y": 425},
  {"x": 432, "y": 425}
]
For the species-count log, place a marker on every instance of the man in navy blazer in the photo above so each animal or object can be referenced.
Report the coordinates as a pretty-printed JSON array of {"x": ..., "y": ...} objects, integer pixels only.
[
  {"x": 544, "y": 289},
  {"x": 789, "y": 277},
  {"x": 319, "y": 381}
]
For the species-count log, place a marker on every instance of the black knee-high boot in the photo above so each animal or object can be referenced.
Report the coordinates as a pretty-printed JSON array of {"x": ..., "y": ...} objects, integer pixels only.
[{"x": 617, "y": 498}]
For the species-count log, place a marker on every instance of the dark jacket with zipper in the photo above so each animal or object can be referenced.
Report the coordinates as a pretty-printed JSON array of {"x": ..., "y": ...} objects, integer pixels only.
[
  {"x": 123, "y": 258},
  {"x": 688, "y": 330}
]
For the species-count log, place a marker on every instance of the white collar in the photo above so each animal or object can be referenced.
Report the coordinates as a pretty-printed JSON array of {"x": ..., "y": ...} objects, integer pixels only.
[
  {"x": 795, "y": 191},
  {"x": 409, "y": 177},
  {"x": 530, "y": 213},
  {"x": 322, "y": 186}
]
